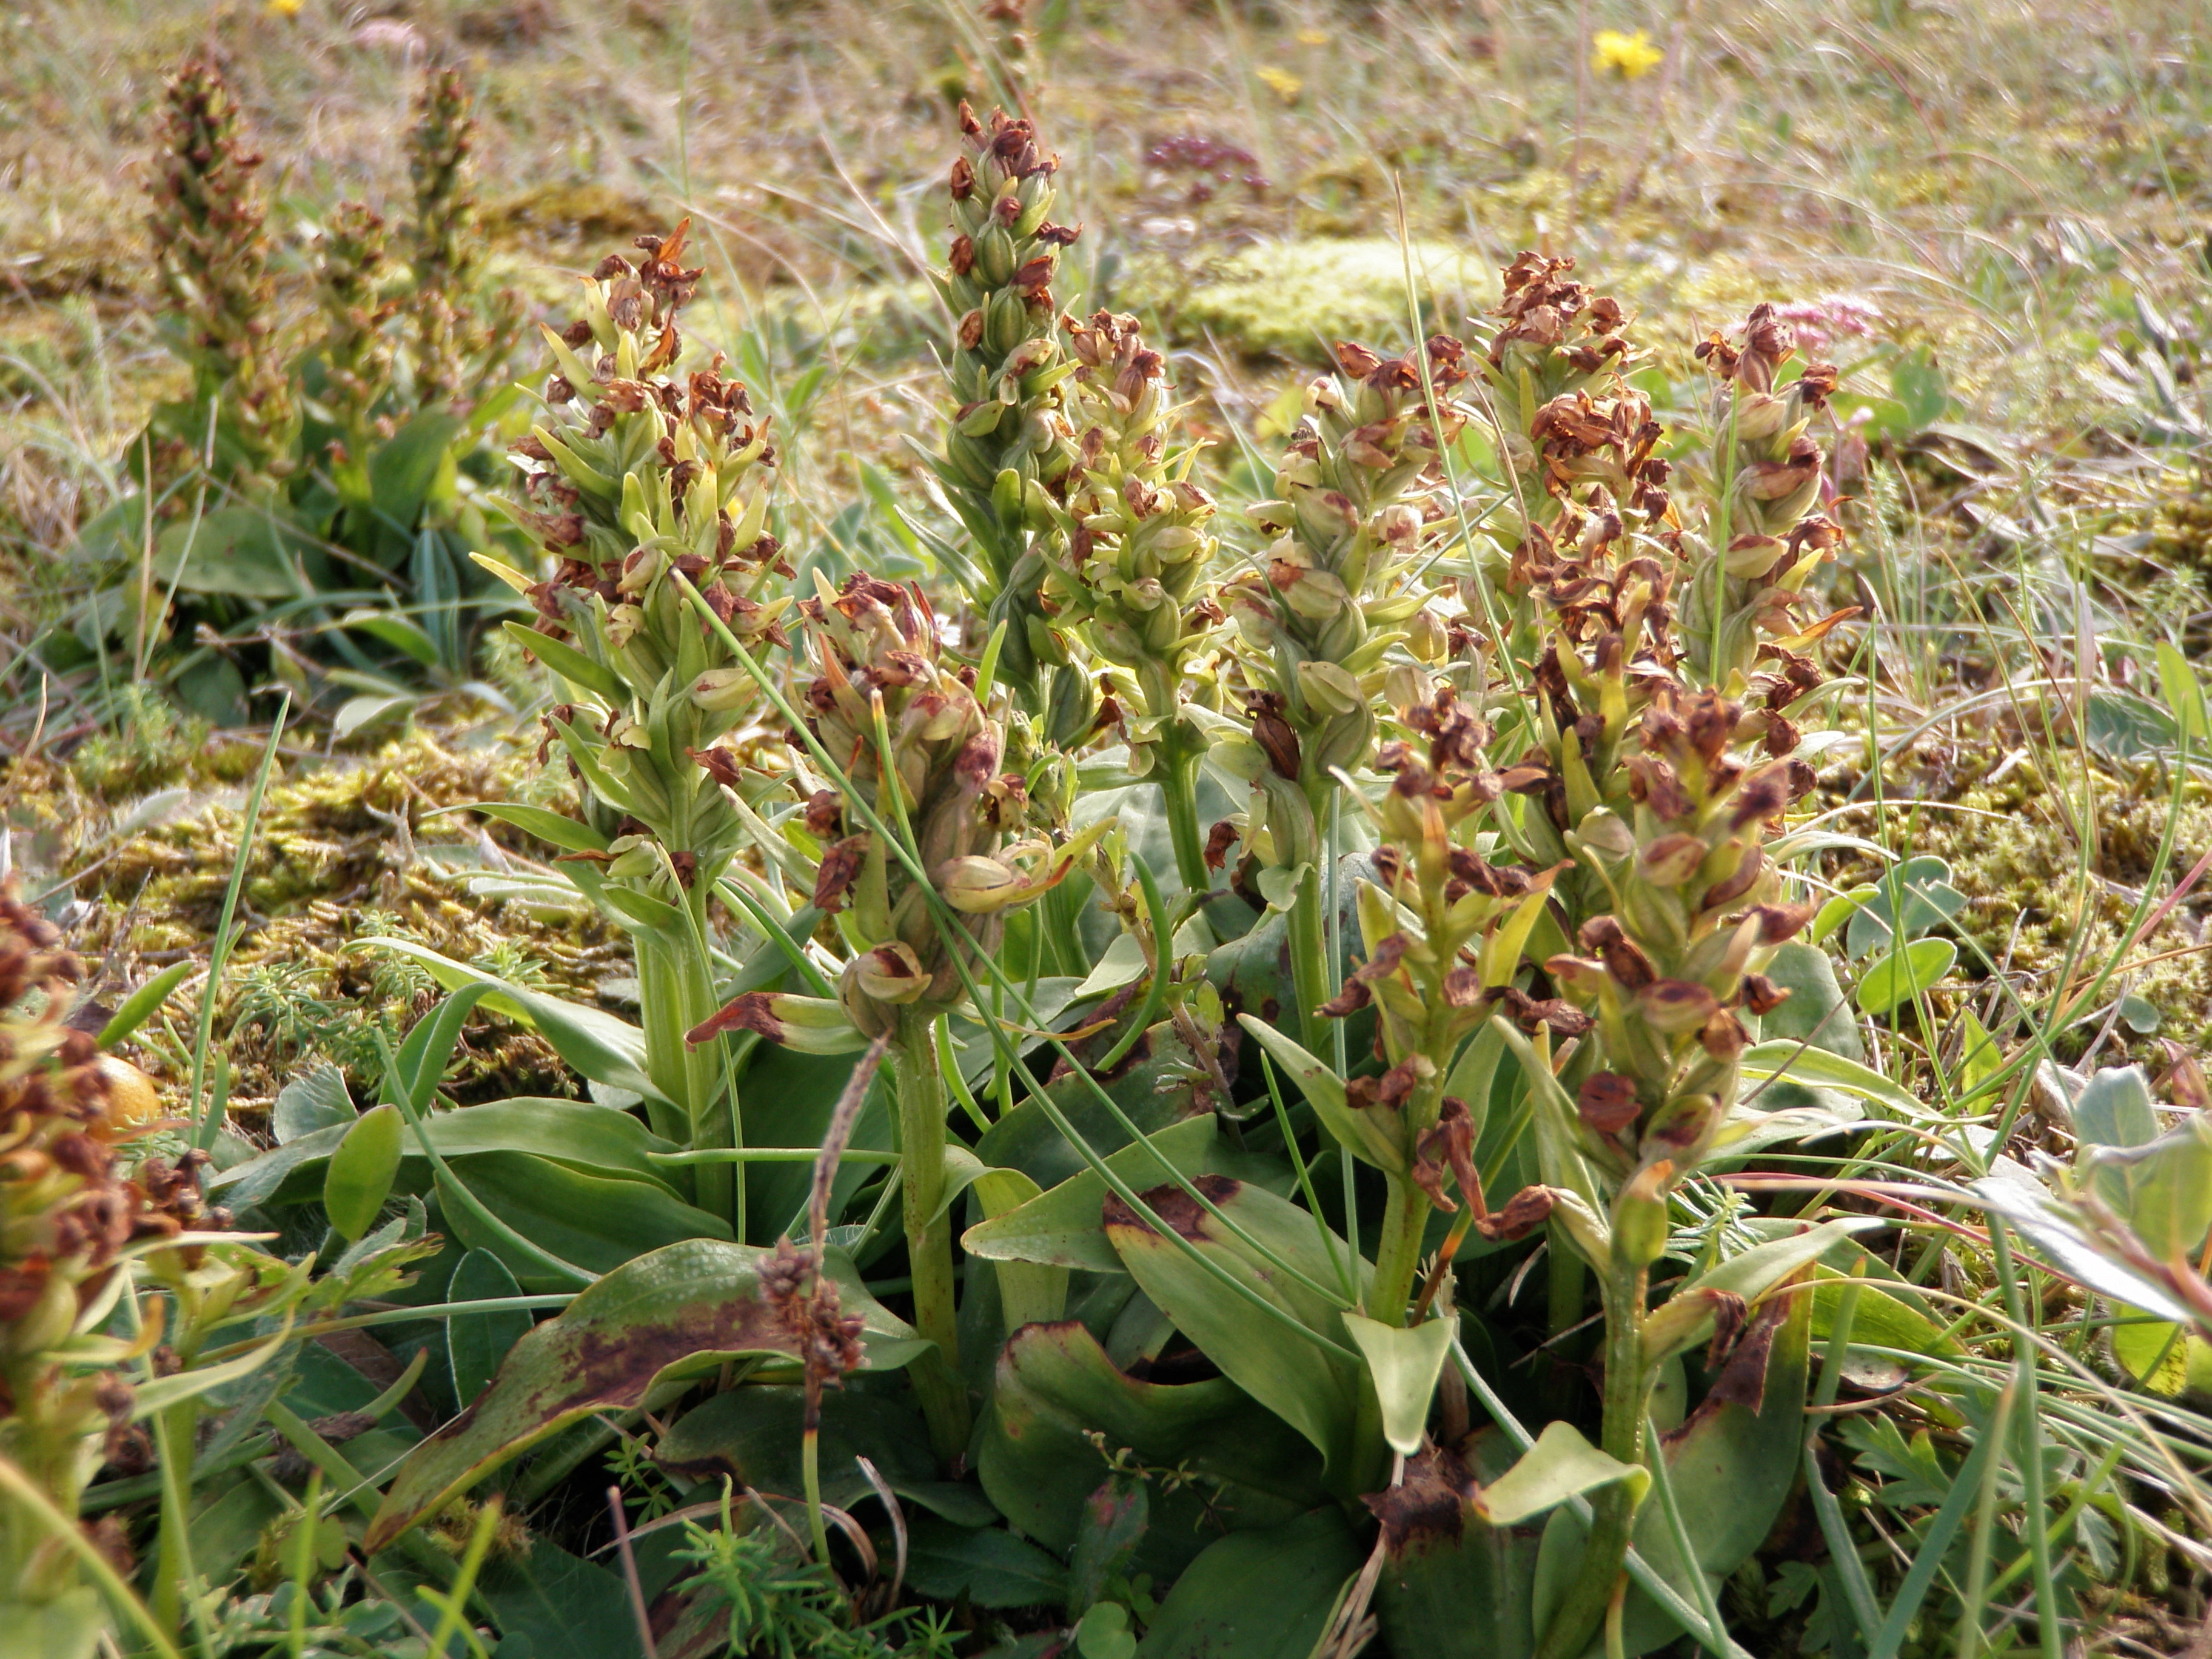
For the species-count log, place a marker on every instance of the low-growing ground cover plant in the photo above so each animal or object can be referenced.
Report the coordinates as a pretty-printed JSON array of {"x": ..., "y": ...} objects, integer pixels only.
[{"x": 1331, "y": 1038}]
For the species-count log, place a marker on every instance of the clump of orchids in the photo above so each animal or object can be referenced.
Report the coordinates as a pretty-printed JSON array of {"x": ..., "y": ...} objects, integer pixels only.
[{"x": 921, "y": 856}]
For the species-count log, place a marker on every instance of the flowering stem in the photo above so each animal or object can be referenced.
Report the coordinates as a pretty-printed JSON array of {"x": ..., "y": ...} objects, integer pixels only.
[
  {"x": 675, "y": 993},
  {"x": 1627, "y": 1400},
  {"x": 1180, "y": 749},
  {"x": 1179, "y": 794},
  {"x": 1398, "y": 1258},
  {"x": 1309, "y": 960},
  {"x": 921, "y": 1107}
]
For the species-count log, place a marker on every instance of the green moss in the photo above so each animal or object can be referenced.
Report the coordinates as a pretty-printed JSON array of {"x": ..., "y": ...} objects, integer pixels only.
[
  {"x": 1298, "y": 298},
  {"x": 345, "y": 852},
  {"x": 2014, "y": 845}
]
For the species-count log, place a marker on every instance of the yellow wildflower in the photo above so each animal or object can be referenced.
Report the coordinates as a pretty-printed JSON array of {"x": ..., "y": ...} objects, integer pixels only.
[
  {"x": 1312, "y": 37},
  {"x": 1628, "y": 56},
  {"x": 284, "y": 8},
  {"x": 1280, "y": 82}
]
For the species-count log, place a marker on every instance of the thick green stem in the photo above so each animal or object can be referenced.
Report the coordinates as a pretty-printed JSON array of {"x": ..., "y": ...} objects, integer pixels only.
[
  {"x": 1181, "y": 748},
  {"x": 1398, "y": 1258},
  {"x": 1179, "y": 794},
  {"x": 921, "y": 1107},
  {"x": 676, "y": 991},
  {"x": 1309, "y": 942},
  {"x": 1627, "y": 1400}
]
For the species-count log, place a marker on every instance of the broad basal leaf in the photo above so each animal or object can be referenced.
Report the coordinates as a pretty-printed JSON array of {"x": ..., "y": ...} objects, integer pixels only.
[
  {"x": 679, "y": 1310},
  {"x": 1260, "y": 1594},
  {"x": 1312, "y": 1384},
  {"x": 1055, "y": 1388}
]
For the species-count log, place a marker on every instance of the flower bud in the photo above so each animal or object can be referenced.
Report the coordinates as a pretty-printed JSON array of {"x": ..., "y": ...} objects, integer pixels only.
[
  {"x": 889, "y": 973},
  {"x": 721, "y": 689},
  {"x": 1329, "y": 690},
  {"x": 1640, "y": 1216},
  {"x": 978, "y": 885}
]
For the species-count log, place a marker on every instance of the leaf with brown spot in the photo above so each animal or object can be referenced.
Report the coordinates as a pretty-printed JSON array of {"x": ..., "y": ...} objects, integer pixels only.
[{"x": 683, "y": 1308}]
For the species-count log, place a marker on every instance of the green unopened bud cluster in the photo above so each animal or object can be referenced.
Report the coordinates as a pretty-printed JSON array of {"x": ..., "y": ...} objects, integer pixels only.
[
  {"x": 211, "y": 249},
  {"x": 1009, "y": 446},
  {"x": 1354, "y": 495},
  {"x": 1140, "y": 546}
]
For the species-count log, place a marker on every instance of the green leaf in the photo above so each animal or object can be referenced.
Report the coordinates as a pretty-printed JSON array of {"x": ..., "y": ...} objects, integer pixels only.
[
  {"x": 2115, "y": 1108},
  {"x": 395, "y": 631},
  {"x": 1062, "y": 1227},
  {"x": 1836, "y": 912},
  {"x": 2185, "y": 696},
  {"x": 1403, "y": 1365},
  {"x": 356, "y": 713},
  {"x": 1029, "y": 1292},
  {"x": 788, "y": 1099},
  {"x": 590, "y": 1139},
  {"x": 1027, "y": 1139},
  {"x": 1364, "y": 1132},
  {"x": 2164, "y": 1359},
  {"x": 1758, "y": 1270},
  {"x": 317, "y": 1099},
  {"x": 1980, "y": 1059},
  {"x": 361, "y": 1169},
  {"x": 1815, "y": 1011},
  {"x": 570, "y": 664},
  {"x": 404, "y": 468},
  {"x": 1311, "y": 1385},
  {"x": 1908, "y": 900},
  {"x": 1821, "y": 1070},
  {"x": 675, "y": 1313},
  {"x": 593, "y": 1222},
  {"x": 570, "y": 834},
  {"x": 1917, "y": 381},
  {"x": 140, "y": 1006},
  {"x": 1104, "y": 1633},
  {"x": 1114, "y": 1520},
  {"x": 1453, "y": 1586},
  {"x": 243, "y": 552},
  {"x": 561, "y": 1608},
  {"x": 2059, "y": 1232},
  {"x": 991, "y": 1568},
  {"x": 476, "y": 1343},
  {"x": 2162, "y": 1188},
  {"x": 1262, "y": 1595},
  {"x": 1559, "y": 1466},
  {"x": 1903, "y": 975},
  {"x": 1878, "y": 1319},
  {"x": 68, "y": 1627},
  {"x": 598, "y": 1045}
]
